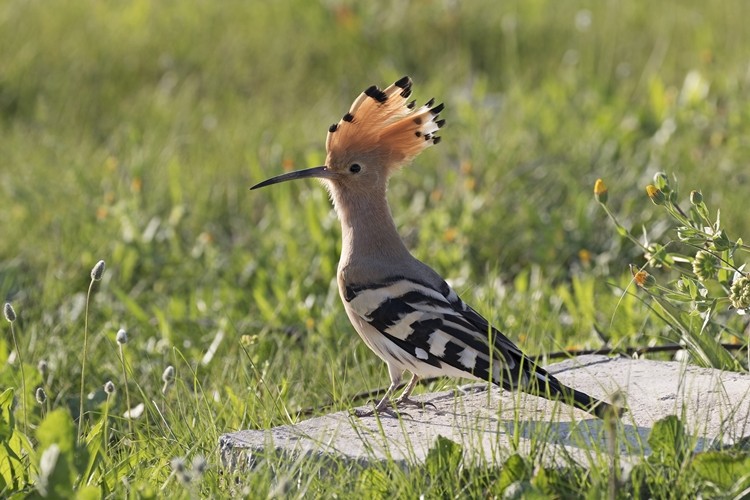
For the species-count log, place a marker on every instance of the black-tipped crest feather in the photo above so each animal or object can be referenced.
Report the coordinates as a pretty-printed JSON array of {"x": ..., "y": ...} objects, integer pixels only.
[{"x": 383, "y": 123}]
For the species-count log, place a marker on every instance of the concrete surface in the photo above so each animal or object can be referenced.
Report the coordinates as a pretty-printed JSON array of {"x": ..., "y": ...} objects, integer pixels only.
[{"x": 714, "y": 405}]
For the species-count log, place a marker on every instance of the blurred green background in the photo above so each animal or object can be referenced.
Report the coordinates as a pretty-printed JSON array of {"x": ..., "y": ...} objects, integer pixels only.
[{"x": 130, "y": 131}]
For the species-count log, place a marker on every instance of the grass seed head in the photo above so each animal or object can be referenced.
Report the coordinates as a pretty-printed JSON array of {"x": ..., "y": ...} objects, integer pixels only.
[
  {"x": 109, "y": 387},
  {"x": 43, "y": 367},
  {"x": 122, "y": 336},
  {"x": 10, "y": 313},
  {"x": 168, "y": 375},
  {"x": 41, "y": 396},
  {"x": 97, "y": 271}
]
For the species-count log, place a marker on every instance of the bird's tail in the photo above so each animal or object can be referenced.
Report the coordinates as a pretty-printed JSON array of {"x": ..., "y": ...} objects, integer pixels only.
[
  {"x": 535, "y": 380},
  {"x": 579, "y": 399}
]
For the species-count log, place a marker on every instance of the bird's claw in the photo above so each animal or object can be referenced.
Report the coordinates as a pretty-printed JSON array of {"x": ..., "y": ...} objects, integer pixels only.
[
  {"x": 405, "y": 401},
  {"x": 386, "y": 410}
]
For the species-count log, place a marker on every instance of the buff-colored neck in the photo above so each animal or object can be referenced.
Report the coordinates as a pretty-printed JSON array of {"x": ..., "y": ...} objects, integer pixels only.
[{"x": 370, "y": 238}]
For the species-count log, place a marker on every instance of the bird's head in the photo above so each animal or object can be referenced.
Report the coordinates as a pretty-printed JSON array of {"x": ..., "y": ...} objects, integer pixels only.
[{"x": 382, "y": 131}]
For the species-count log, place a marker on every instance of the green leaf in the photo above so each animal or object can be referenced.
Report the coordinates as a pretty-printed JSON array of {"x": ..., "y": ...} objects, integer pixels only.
[
  {"x": 691, "y": 287},
  {"x": 677, "y": 297},
  {"x": 667, "y": 441},
  {"x": 7, "y": 422},
  {"x": 3, "y": 352},
  {"x": 691, "y": 236},
  {"x": 94, "y": 444},
  {"x": 514, "y": 469},
  {"x": 57, "y": 428},
  {"x": 444, "y": 455},
  {"x": 375, "y": 481},
  {"x": 10, "y": 466},
  {"x": 95, "y": 432},
  {"x": 88, "y": 493},
  {"x": 723, "y": 469},
  {"x": 704, "y": 348},
  {"x": 56, "y": 473},
  {"x": 721, "y": 242},
  {"x": 545, "y": 480}
]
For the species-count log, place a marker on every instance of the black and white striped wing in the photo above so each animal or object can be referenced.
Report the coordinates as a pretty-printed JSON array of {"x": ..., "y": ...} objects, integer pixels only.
[{"x": 439, "y": 329}]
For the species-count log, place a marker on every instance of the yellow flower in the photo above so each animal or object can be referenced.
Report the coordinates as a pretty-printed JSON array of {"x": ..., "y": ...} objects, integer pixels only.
[
  {"x": 600, "y": 191},
  {"x": 450, "y": 234},
  {"x": 656, "y": 195},
  {"x": 644, "y": 279},
  {"x": 585, "y": 256}
]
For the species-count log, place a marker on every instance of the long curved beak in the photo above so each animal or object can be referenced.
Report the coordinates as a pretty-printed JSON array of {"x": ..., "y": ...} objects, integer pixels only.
[{"x": 319, "y": 172}]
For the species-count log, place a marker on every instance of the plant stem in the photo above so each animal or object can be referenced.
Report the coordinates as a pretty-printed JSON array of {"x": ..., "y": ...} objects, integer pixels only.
[
  {"x": 127, "y": 392},
  {"x": 622, "y": 229},
  {"x": 83, "y": 361},
  {"x": 105, "y": 442},
  {"x": 23, "y": 378}
]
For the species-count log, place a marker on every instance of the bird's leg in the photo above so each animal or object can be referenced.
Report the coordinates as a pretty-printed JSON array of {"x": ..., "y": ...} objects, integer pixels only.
[
  {"x": 383, "y": 405},
  {"x": 405, "y": 400}
]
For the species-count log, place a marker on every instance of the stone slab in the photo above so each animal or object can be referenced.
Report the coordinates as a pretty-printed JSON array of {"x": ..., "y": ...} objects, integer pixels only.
[{"x": 490, "y": 424}]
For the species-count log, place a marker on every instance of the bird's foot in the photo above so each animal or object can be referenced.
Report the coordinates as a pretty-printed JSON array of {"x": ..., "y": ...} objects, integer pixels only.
[
  {"x": 378, "y": 410},
  {"x": 407, "y": 401}
]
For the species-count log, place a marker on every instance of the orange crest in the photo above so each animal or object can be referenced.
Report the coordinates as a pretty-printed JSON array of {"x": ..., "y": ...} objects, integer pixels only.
[{"x": 384, "y": 124}]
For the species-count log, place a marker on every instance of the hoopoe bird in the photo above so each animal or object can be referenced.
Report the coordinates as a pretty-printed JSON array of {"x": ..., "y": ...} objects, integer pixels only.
[{"x": 402, "y": 309}]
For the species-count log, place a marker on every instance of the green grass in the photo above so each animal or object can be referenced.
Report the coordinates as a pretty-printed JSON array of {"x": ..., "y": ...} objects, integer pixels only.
[{"x": 130, "y": 132}]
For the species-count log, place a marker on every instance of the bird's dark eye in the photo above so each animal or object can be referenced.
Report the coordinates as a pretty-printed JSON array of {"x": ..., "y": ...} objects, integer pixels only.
[{"x": 354, "y": 168}]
